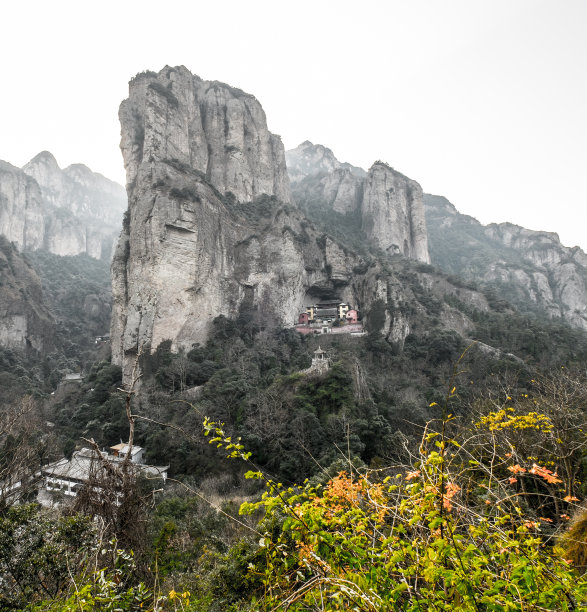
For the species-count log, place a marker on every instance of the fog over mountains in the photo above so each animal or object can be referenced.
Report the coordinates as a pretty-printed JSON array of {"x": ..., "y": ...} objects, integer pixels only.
[
  {"x": 65, "y": 212},
  {"x": 221, "y": 220}
]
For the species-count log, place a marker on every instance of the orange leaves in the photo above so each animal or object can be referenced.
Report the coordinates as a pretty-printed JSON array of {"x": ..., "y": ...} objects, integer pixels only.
[
  {"x": 451, "y": 490},
  {"x": 546, "y": 474},
  {"x": 341, "y": 491},
  {"x": 532, "y": 524},
  {"x": 512, "y": 480},
  {"x": 570, "y": 498},
  {"x": 412, "y": 475}
]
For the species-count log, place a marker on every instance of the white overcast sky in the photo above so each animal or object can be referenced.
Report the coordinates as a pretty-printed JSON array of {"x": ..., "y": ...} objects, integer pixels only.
[{"x": 482, "y": 101}]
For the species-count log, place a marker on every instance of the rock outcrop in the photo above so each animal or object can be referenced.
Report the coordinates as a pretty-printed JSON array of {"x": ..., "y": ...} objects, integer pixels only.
[
  {"x": 211, "y": 228},
  {"x": 393, "y": 213},
  {"x": 21, "y": 208},
  {"x": 531, "y": 269},
  {"x": 66, "y": 212},
  {"x": 25, "y": 322},
  {"x": 389, "y": 205}
]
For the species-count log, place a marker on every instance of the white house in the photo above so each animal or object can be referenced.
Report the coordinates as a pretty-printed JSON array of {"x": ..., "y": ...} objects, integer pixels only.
[{"x": 69, "y": 475}]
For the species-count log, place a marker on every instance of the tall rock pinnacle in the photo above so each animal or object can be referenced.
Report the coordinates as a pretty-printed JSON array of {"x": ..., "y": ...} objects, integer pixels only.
[
  {"x": 211, "y": 229},
  {"x": 213, "y": 128},
  {"x": 393, "y": 213}
]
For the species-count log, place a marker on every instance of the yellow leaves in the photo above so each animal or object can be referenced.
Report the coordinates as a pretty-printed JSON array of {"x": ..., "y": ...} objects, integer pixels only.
[
  {"x": 175, "y": 595},
  {"x": 500, "y": 420}
]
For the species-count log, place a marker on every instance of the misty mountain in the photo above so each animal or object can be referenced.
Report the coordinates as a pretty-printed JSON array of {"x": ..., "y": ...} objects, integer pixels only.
[
  {"x": 65, "y": 212},
  {"x": 531, "y": 269}
]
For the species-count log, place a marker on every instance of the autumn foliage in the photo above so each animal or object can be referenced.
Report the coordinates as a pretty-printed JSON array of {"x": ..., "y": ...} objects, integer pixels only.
[{"x": 474, "y": 523}]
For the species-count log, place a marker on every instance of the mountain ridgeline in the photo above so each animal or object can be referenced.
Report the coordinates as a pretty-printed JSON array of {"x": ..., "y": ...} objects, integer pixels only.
[
  {"x": 65, "y": 212},
  {"x": 216, "y": 226},
  {"x": 213, "y": 229},
  {"x": 531, "y": 269}
]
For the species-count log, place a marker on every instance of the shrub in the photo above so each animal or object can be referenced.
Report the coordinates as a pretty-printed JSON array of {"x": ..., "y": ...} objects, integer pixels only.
[{"x": 164, "y": 92}]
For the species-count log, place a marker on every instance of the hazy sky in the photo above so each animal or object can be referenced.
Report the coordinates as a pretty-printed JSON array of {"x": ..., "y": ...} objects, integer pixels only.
[{"x": 482, "y": 101}]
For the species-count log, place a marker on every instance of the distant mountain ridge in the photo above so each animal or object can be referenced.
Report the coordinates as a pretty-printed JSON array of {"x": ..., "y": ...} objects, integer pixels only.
[
  {"x": 66, "y": 212},
  {"x": 532, "y": 269},
  {"x": 387, "y": 205},
  {"x": 308, "y": 158}
]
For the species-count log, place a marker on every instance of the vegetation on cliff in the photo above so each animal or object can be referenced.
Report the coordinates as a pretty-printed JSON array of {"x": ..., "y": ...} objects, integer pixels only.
[{"x": 475, "y": 516}]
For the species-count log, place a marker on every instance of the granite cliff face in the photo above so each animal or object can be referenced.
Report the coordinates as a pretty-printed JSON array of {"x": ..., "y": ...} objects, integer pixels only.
[
  {"x": 25, "y": 322},
  {"x": 393, "y": 213},
  {"x": 210, "y": 127},
  {"x": 66, "y": 212},
  {"x": 531, "y": 269},
  {"x": 389, "y": 205},
  {"x": 212, "y": 230}
]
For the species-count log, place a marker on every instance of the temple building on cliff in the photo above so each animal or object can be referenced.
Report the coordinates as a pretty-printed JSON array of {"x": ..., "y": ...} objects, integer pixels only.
[{"x": 333, "y": 317}]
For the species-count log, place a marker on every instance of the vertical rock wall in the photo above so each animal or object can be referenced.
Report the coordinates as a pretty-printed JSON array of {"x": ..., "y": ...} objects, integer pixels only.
[
  {"x": 393, "y": 213},
  {"x": 390, "y": 205}
]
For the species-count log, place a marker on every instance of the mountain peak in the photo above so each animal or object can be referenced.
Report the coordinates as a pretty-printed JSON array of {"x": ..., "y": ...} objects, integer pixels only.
[
  {"x": 45, "y": 158},
  {"x": 309, "y": 159}
]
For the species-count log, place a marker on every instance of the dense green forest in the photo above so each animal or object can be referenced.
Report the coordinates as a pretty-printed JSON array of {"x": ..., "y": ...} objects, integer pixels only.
[{"x": 457, "y": 464}]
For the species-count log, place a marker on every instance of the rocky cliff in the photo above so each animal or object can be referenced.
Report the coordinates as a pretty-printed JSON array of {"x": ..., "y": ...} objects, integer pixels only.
[
  {"x": 531, "y": 269},
  {"x": 211, "y": 229},
  {"x": 21, "y": 208},
  {"x": 207, "y": 126},
  {"x": 392, "y": 213},
  {"x": 25, "y": 322},
  {"x": 65, "y": 212},
  {"x": 388, "y": 204}
]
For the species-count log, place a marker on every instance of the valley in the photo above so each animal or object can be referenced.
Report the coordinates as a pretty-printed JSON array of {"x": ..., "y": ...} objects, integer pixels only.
[{"x": 321, "y": 324}]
